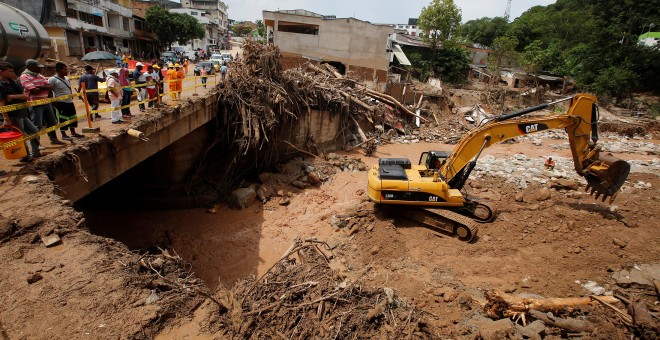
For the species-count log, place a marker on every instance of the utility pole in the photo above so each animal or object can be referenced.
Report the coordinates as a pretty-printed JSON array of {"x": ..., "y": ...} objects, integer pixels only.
[{"x": 507, "y": 13}]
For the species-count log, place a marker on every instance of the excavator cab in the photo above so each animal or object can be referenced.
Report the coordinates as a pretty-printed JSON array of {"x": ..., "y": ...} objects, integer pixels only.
[{"x": 433, "y": 160}]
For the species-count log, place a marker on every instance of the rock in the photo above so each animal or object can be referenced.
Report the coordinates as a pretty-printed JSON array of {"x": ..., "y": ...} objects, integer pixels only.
[
  {"x": 241, "y": 198},
  {"x": 158, "y": 263},
  {"x": 613, "y": 208},
  {"x": 153, "y": 297},
  {"x": 374, "y": 250},
  {"x": 495, "y": 330},
  {"x": 264, "y": 177},
  {"x": 6, "y": 227},
  {"x": 370, "y": 227},
  {"x": 298, "y": 184},
  {"x": 284, "y": 201},
  {"x": 30, "y": 179},
  {"x": 594, "y": 288},
  {"x": 280, "y": 193},
  {"x": 622, "y": 244},
  {"x": 309, "y": 169},
  {"x": 570, "y": 225},
  {"x": 554, "y": 228},
  {"x": 363, "y": 167},
  {"x": 264, "y": 192},
  {"x": 332, "y": 156},
  {"x": 50, "y": 240},
  {"x": 564, "y": 184},
  {"x": 34, "y": 278},
  {"x": 519, "y": 157},
  {"x": 543, "y": 194},
  {"x": 313, "y": 178},
  {"x": 535, "y": 328},
  {"x": 450, "y": 294},
  {"x": 520, "y": 196}
]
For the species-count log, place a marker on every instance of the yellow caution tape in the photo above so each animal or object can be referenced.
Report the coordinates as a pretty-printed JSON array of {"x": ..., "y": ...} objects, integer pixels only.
[{"x": 14, "y": 107}]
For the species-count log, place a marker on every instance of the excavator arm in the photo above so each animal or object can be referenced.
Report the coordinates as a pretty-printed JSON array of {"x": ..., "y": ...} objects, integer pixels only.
[{"x": 604, "y": 174}]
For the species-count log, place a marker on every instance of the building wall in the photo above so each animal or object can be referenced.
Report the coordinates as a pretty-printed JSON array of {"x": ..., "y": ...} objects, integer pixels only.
[{"x": 359, "y": 45}]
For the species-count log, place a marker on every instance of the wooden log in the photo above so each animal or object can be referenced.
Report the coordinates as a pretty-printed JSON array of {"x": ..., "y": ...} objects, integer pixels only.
[
  {"x": 319, "y": 70},
  {"x": 569, "y": 324},
  {"x": 394, "y": 102},
  {"x": 359, "y": 102},
  {"x": 360, "y": 132},
  {"x": 333, "y": 71},
  {"x": 518, "y": 304}
]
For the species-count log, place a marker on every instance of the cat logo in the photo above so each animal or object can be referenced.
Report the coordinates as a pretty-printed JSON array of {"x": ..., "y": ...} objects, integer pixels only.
[
  {"x": 531, "y": 128},
  {"x": 20, "y": 28}
]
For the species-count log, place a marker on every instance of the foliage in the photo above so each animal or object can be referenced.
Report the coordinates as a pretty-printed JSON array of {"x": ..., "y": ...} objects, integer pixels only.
[
  {"x": 504, "y": 52},
  {"x": 241, "y": 29},
  {"x": 483, "y": 31},
  {"x": 450, "y": 63},
  {"x": 173, "y": 27},
  {"x": 261, "y": 28},
  {"x": 593, "y": 41},
  {"x": 441, "y": 21}
]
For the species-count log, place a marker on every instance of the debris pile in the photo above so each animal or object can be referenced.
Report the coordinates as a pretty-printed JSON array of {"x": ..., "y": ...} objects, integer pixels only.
[{"x": 301, "y": 296}]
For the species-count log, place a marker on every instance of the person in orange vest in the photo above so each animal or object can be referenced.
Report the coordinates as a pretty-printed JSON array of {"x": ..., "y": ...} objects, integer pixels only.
[
  {"x": 180, "y": 76},
  {"x": 549, "y": 164},
  {"x": 172, "y": 80}
]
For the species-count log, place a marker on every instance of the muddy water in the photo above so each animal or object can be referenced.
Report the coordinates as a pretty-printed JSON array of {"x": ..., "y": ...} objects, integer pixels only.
[{"x": 232, "y": 244}]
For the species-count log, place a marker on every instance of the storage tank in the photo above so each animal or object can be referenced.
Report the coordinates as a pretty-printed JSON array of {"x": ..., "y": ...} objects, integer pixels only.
[{"x": 23, "y": 37}]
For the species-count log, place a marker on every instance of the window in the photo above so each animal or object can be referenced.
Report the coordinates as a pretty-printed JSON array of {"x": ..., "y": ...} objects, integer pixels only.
[
  {"x": 127, "y": 24},
  {"x": 194, "y": 13},
  {"x": 91, "y": 19},
  {"x": 72, "y": 13},
  {"x": 294, "y": 27}
]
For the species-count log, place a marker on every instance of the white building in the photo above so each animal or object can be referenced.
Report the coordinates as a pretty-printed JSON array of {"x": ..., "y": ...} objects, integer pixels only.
[
  {"x": 410, "y": 28},
  {"x": 210, "y": 27}
]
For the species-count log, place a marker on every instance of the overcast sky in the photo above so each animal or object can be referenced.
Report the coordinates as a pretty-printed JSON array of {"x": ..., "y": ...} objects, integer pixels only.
[{"x": 377, "y": 11}]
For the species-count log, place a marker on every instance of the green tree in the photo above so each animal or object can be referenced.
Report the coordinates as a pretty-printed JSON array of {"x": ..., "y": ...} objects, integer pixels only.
[
  {"x": 440, "y": 21},
  {"x": 261, "y": 28},
  {"x": 484, "y": 31},
  {"x": 241, "y": 29},
  {"x": 173, "y": 27},
  {"x": 504, "y": 53}
]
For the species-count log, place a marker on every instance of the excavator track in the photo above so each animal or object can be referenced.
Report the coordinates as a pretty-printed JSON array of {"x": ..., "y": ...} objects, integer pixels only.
[
  {"x": 477, "y": 211},
  {"x": 440, "y": 219}
]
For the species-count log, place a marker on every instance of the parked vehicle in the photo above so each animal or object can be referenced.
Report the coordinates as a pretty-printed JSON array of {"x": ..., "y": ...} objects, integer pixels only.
[
  {"x": 167, "y": 56},
  {"x": 227, "y": 57},
  {"x": 210, "y": 68}
]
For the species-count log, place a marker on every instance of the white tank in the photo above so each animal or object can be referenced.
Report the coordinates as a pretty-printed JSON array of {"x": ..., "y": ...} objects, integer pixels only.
[{"x": 23, "y": 37}]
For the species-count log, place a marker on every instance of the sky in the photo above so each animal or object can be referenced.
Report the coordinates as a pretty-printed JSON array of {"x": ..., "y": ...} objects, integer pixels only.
[{"x": 377, "y": 11}]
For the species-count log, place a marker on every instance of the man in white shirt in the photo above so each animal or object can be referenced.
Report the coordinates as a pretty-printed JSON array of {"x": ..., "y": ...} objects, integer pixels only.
[{"x": 65, "y": 109}]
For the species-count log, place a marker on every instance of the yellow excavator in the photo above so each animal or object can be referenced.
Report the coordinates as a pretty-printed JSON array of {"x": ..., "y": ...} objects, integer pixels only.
[{"x": 430, "y": 192}]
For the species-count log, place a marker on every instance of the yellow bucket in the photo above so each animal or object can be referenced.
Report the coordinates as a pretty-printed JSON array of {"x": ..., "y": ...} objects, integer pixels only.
[{"x": 13, "y": 152}]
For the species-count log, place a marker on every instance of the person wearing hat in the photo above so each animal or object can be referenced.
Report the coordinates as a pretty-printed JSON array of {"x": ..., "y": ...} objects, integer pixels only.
[
  {"x": 91, "y": 81},
  {"x": 172, "y": 78},
  {"x": 37, "y": 87},
  {"x": 115, "y": 94},
  {"x": 152, "y": 90},
  {"x": 180, "y": 77},
  {"x": 140, "y": 79},
  {"x": 11, "y": 92}
]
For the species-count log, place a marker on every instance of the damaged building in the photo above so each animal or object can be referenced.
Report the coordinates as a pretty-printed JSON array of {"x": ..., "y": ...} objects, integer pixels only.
[{"x": 348, "y": 44}]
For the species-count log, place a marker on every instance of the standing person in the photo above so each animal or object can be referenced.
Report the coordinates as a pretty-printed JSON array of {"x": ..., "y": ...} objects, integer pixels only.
[
  {"x": 119, "y": 62},
  {"x": 223, "y": 72},
  {"x": 124, "y": 60},
  {"x": 91, "y": 81},
  {"x": 179, "y": 80},
  {"x": 185, "y": 66},
  {"x": 152, "y": 70},
  {"x": 64, "y": 108},
  {"x": 11, "y": 92},
  {"x": 140, "y": 79},
  {"x": 203, "y": 73},
  {"x": 126, "y": 95},
  {"x": 37, "y": 87},
  {"x": 115, "y": 94},
  {"x": 172, "y": 80},
  {"x": 151, "y": 89}
]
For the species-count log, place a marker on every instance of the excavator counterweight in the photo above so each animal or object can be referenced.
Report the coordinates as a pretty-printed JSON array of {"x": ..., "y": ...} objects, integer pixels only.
[{"x": 430, "y": 190}]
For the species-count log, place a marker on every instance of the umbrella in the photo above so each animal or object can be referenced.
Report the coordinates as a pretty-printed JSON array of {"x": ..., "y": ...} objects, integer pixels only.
[{"x": 98, "y": 56}]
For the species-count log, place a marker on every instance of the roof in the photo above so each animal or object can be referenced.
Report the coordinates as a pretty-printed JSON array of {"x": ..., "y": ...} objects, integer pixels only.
[
  {"x": 408, "y": 40},
  {"x": 301, "y": 12}
]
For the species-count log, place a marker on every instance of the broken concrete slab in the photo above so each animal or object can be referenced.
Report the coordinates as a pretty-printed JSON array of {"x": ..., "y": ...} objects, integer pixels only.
[
  {"x": 51, "y": 240},
  {"x": 640, "y": 276}
]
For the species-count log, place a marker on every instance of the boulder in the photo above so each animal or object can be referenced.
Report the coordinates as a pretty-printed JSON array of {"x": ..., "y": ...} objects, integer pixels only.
[
  {"x": 241, "y": 198},
  {"x": 520, "y": 196},
  {"x": 6, "y": 227},
  {"x": 543, "y": 194},
  {"x": 298, "y": 184},
  {"x": 565, "y": 184},
  {"x": 495, "y": 330},
  {"x": 535, "y": 328},
  {"x": 313, "y": 178}
]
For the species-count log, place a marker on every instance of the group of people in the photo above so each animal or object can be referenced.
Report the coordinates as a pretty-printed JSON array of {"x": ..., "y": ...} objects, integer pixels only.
[{"x": 32, "y": 86}]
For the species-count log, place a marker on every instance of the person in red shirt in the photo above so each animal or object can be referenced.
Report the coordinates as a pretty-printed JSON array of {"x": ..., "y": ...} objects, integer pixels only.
[{"x": 37, "y": 87}]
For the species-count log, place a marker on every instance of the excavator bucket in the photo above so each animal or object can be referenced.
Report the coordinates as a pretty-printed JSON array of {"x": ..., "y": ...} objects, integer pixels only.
[{"x": 606, "y": 176}]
